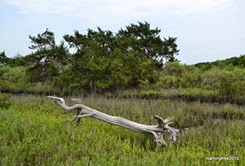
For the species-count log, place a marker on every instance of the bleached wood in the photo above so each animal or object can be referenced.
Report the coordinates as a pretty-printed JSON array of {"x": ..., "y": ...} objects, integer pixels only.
[{"x": 156, "y": 130}]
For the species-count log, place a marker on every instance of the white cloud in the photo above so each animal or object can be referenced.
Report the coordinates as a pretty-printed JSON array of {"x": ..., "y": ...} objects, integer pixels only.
[
  {"x": 45, "y": 6},
  {"x": 194, "y": 6},
  {"x": 117, "y": 7},
  {"x": 116, "y": 11}
]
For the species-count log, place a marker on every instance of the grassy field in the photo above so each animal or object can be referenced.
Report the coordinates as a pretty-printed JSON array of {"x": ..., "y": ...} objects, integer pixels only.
[{"x": 34, "y": 131}]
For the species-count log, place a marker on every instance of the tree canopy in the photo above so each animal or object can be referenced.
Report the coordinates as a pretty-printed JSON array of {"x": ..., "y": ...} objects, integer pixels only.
[
  {"x": 48, "y": 59},
  {"x": 100, "y": 59}
]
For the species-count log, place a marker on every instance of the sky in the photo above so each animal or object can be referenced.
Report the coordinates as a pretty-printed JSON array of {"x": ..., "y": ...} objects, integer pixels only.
[{"x": 206, "y": 30}]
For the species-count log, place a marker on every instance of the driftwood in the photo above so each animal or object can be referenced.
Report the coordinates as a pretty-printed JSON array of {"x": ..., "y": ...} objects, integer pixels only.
[{"x": 156, "y": 130}]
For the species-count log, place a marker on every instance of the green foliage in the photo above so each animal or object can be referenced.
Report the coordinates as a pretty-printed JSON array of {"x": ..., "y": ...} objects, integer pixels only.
[
  {"x": 176, "y": 75},
  {"x": 232, "y": 82},
  {"x": 216, "y": 84},
  {"x": 34, "y": 132},
  {"x": 13, "y": 79},
  {"x": 17, "y": 60},
  {"x": 135, "y": 57},
  {"x": 4, "y": 101},
  {"x": 49, "y": 59},
  {"x": 170, "y": 49},
  {"x": 146, "y": 41},
  {"x": 234, "y": 61},
  {"x": 3, "y": 59},
  {"x": 104, "y": 61}
]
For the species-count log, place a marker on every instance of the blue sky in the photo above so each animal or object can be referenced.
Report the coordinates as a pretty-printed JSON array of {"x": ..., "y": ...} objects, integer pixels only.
[{"x": 206, "y": 30}]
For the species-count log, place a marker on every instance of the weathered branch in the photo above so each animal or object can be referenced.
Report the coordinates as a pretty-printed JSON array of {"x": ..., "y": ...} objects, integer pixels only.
[{"x": 156, "y": 130}]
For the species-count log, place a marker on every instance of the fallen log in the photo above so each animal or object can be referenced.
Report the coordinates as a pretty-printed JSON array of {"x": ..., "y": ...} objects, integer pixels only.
[{"x": 156, "y": 130}]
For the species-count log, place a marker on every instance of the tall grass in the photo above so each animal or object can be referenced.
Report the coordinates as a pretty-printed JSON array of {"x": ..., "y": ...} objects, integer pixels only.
[{"x": 34, "y": 131}]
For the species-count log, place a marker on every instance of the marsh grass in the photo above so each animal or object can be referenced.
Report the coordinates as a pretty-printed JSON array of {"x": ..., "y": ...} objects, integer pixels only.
[{"x": 34, "y": 131}]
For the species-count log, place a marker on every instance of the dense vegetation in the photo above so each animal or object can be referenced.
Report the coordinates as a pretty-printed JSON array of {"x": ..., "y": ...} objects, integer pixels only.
[
  {"x": 134, "y": 61},
  {"x": 100, "y": 60},
  {"x": 34, "y": 132}
]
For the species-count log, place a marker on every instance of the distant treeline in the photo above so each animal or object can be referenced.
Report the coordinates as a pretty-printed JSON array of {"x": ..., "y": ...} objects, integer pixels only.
[
  {"x": 134, "y": 60},
  {"x": 234, "y": 61}
]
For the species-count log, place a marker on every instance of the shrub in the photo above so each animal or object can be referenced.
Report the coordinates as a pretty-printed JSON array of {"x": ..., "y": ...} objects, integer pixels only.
[{"x": 4, "y": 101}]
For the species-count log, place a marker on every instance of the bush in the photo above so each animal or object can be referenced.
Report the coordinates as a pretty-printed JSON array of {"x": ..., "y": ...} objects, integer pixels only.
[{"x": 4, "y": 101}]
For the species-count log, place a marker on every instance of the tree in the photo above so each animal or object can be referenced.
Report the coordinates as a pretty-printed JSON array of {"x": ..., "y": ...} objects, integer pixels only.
[
  {"x": 104, "y": 60},
  {"x": 48, "y": 60},
  {"x": 145, "y": 40},
  {"x": 100, "y": 41},
  {"x": 3, "y": 59},
  {"x": 90, "y": 61},
  {"x": 170, "y": 49}
]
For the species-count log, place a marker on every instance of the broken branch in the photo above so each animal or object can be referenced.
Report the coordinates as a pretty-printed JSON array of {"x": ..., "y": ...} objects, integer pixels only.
[{"x": 156, "y": 130}]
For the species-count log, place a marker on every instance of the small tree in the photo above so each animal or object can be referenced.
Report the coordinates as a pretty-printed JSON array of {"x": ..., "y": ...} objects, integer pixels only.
[{"x": 48, "y": 60}]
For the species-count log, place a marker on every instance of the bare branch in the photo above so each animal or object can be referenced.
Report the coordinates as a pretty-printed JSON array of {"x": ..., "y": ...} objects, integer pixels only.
[
  {"x": 156, "y": 130},
  {"x": 77, "y": 99}
]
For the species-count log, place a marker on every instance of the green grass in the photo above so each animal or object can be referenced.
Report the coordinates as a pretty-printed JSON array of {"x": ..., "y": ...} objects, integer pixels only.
[{"x": 34, "y": 131}]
